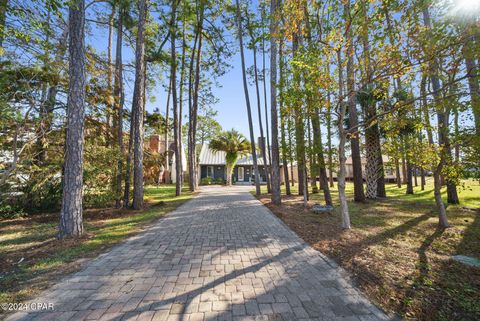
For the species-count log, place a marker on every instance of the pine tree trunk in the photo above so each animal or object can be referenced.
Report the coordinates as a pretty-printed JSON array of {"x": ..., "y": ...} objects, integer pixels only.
[
  {"x": 282, "y": 121},
  {"x": 257, "y": 91},
  {"x": 191, "y": 141},
  {"x": 409, "y": 178},
  {"x": 312, "y": 159},
  {"x": 119, "y": 100},
  {"x": 178, "y": 160},
  {"x": 247, "y": 99},
  {"x": 128, "y": 167},
  {"x": 138, "y": 106},
  {"x": 398, "y": 178},
  {"x": 196, "y": 94},
  {"x": 173, "y": 77},
  {"x": 71, "y": 215},
  {"x": 329, "y": 134},
  {"x": 422, "y": 179},
  {"x": 167, "y": 129},
  {"x": 290, "y": 149},
  {"x": 404, "y": 162},
  {"x": 318, "y": 151},
  {"x": 299, "y": 126},
  {"x": 415, "y": 176},
  {"x": 264, "y": 74},
  {"x": 110, "y": 98},
  {"x": 342, "y": 134},
  {"x": 359, "y": 195}
]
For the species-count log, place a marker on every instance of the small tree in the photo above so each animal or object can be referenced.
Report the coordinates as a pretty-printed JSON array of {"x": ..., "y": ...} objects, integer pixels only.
[{"x": 234, "y": 145}]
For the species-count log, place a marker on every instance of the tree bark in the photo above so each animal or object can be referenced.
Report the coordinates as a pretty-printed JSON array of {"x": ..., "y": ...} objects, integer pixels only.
[
  {"x": 282, "y": 121},
  {"x": 398, "y": 177},
  {"x": 272, "y": 38},
  {"x": 173, "y": 77},
  {"x": 247, "y": 98},
  {"x": 312, "y": 159},
  {"x": 179, "y": 162},
  {"x": 138, "y": 106},
  {"x": 442, "y": 128},
  {"x": 404, "y": 163},
  {"x": 359, "y": 195},
  {"x": 110, "y": 95},
  {"x": 257, "y": 91},
  {"x": 119, "y": 100},
  {"x": 329, "y": 133},
  {"x": 409, "y": 178},
  {"x": 167, "y": 129},
  {"x": 192, "y": 129},
  {"x": 71, "y": 215},
  {"x": 318, "y": 151},
  {"x": 299, "y": 125},
  {"x": 342, "y": 134}
]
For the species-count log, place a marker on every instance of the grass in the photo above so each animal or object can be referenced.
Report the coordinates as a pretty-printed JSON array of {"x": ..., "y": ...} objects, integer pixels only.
[
  {"x": 396, "y": 253},
  {"x": 31, "y": 257}
]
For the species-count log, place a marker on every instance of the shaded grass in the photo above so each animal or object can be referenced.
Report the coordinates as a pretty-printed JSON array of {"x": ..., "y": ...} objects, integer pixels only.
[
  {"x": 31, "y": 256},
  {"x": 395, "y": 251}
]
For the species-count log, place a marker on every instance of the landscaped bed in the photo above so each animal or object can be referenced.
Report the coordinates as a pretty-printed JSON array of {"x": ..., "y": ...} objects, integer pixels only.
[
  {"x": 395, "y": 252},
  {"x": 31, "y": 257}
]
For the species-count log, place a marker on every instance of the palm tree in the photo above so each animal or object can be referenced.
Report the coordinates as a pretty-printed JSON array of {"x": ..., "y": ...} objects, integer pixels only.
[{"x": 234, "y": 145}]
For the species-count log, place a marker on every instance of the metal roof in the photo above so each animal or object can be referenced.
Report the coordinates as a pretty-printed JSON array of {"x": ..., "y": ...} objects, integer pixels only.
[{"x": 209, "y": 157}]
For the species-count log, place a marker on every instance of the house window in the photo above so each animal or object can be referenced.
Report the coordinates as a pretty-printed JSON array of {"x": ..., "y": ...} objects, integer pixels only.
[{"x": 210, "y": 171}]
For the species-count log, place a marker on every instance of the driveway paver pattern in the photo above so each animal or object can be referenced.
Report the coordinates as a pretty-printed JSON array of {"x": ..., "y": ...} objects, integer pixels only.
[{"x": 220, "y": 256}]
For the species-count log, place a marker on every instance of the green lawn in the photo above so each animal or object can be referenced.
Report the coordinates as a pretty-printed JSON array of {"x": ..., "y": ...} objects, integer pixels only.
[
  {"x": 31, "y": 256},
  {"x": 395, "y": 251}
]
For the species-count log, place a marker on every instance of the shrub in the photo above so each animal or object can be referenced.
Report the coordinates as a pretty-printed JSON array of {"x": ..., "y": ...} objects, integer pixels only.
[
  {"x": 206, "y": 181},
  {"x": 10, "y": 210},
  {"x": 220, "y": 181}
]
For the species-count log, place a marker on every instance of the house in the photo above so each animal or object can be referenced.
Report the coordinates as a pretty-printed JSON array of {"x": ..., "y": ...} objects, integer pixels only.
[
  {"x": 156, "y": 144},
  {"x": 212, "y": 164}
]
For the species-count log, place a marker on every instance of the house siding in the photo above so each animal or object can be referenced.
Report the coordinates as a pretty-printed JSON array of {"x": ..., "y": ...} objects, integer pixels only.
[
  {"x": 248, "y": 173},
  {"x": 218, "y": 171}
]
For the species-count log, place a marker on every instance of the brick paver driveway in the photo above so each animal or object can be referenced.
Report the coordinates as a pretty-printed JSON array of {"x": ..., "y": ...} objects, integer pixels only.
[{"x": 221, "y": 256}]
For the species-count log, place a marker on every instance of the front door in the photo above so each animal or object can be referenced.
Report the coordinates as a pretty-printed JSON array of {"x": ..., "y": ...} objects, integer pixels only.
[{"x": 241, "y": 174}]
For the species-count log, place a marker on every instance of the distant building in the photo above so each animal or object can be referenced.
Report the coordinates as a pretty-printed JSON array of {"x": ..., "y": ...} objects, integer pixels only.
[
  {"x": 212, "y": 164},
  {"x": 156, "y": 144}
]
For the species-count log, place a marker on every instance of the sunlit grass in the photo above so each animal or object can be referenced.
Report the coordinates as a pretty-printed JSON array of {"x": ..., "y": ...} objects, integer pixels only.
[
  {"x": 403, "y": 261},
  {"x": 24, "y": 236}
]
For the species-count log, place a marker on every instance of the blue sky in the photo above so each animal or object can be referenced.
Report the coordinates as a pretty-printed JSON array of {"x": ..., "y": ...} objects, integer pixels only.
[{"x": 231, "y": 107}]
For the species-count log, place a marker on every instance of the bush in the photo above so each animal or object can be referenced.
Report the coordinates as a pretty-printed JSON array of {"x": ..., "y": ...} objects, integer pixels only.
[
  {"x": 10, "y": 210},
  {"x": 220, "y": 181},
  {"x": 206, "y": 181}
]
